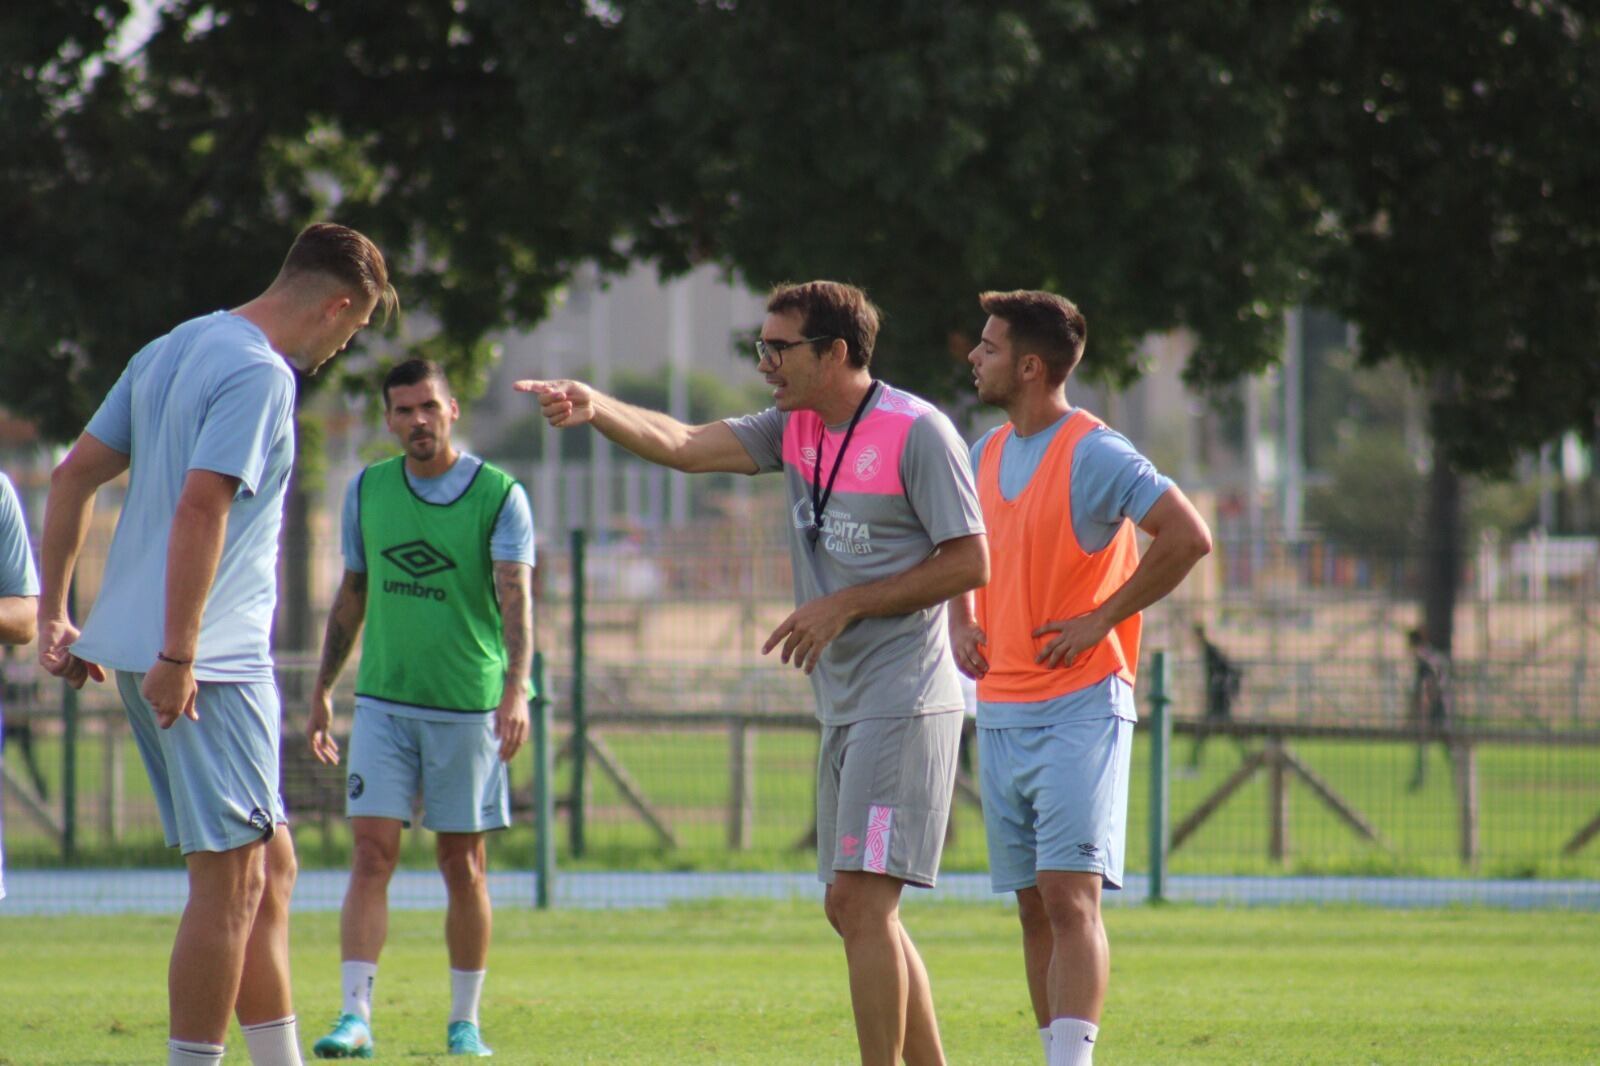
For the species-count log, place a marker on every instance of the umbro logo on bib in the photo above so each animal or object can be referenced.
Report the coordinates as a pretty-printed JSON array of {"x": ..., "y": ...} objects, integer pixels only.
[{"x": 418, "y": 558}]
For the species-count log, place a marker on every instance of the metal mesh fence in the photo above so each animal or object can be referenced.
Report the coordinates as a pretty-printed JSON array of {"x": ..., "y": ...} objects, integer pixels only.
[{"x": 684, "y": 758}]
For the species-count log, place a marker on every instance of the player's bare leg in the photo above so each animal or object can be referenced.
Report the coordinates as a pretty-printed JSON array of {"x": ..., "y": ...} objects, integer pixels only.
[
  {"x": 1038, "y": 944},
  {"x": 264, "y": 987},
  {"x": 225, "y": 890},
  {"x": 1080, "y": 959},
  {"x": 865, "y": 909},
  {"x": 467, "y": 927},
  {"x": 468, "y": 919},
  {"x": 922, "y": 1044},
  {"x": 364, "y": 919}
]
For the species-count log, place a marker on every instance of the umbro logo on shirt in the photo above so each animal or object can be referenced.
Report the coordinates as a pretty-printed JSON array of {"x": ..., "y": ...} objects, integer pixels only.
[{"x": 418, "y": 558}]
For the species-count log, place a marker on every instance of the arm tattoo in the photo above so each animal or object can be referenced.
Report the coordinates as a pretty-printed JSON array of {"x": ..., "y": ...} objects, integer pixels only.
[
  {"x": 342, "y": 630},
  {"x": 516, "y": 616}
]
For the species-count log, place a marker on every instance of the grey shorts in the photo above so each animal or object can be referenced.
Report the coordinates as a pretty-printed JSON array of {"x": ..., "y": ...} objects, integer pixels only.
[{"x": 883, "y": 796}]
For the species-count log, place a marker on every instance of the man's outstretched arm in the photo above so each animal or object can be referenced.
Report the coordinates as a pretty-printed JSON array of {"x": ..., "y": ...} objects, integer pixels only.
[{"x": 651, "y": 435}]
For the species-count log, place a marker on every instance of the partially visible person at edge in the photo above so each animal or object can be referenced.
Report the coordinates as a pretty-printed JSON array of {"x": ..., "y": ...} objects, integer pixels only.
[
  {"x": 19, "y": 599},
  {"x": 204, "y": 418},
  {"x": 1430, "y": 698},
  {"x": 1053, "y": 642},
  {"x": 884, "y": 528},
  {"x": 438, "y": 557},
  {"x": 1223, "y": 678}
]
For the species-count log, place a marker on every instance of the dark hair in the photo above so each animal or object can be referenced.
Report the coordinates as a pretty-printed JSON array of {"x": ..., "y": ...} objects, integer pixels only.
[
  {"x": 345, "y": 255},
  {"x": 413, "y": 372},
  {"x": 1042, "y": 324},
  {"x": 832, "y": 310}
]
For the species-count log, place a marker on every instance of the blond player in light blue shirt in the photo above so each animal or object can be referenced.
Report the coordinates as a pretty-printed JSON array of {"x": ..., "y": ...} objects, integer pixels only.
[{"x": 203, "y": 418}]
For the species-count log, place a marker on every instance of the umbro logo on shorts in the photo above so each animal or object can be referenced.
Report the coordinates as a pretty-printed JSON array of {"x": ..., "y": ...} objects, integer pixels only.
[
  {"x": 357, "y": 786},
  {"x": 1087, "y": 849},
  {"x": 419, "y": 558},
  {"x": 260, "y": 820}
]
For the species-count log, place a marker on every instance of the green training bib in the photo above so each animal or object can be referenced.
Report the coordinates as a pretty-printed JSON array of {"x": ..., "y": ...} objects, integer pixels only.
[{"x": 434, "y": 637}]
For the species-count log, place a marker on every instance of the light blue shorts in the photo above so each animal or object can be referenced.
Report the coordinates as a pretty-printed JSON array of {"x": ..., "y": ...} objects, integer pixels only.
[
  {"x": 454, "y": 765},
  {"x": 215, "y": 780},
  {"x": 1056, "y": 798}
]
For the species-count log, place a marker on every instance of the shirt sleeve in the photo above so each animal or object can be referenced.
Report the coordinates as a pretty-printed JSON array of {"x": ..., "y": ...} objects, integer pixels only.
[
  {"x": 1111, "y": 481},
  {"x": 938, "y": 481},
  {"x": 762, "y": 436},
  {"x": 18, "y": 577},
  {"x": 355, "y": 553},
  {"x": 112, "y": 424},
  {"x": 512, "y": 538},
  {"x": 975, "y": 457},
  {"x": 247, "y": 412}
]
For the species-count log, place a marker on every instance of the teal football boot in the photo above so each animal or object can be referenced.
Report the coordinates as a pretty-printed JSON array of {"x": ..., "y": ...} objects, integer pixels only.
[
  {"x": 464, "y": 1039},
  {"x": 351, "y": 1038}
]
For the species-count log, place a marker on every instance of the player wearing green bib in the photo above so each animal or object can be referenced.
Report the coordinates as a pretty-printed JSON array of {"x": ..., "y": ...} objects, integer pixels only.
[{"x": 438, "y": 552}]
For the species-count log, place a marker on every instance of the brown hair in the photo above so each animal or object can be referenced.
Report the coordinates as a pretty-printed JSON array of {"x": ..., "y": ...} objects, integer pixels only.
[
  {"x": 345, "y": 255},
  {"x": 1042, "y": 324},
  {"x": 413, "y": 372},
  {"x": 834, "y": 311}
]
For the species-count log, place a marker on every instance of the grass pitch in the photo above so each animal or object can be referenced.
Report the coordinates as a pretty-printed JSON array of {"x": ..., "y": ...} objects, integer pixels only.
[{"x": 765, "y": 983}]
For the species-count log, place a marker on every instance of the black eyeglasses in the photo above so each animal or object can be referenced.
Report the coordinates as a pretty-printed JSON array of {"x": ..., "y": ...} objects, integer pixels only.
[{"x": 772, "y": 351}]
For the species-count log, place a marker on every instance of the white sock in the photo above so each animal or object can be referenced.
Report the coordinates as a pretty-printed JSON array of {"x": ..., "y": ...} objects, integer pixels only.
[
  {"x": 358, "y": 978},
  {"x": 273, "y": 1043},
  {"x": 1072, "y": 1042},
  {"x": 193, "y": 1053},
  {"x": 1044, "y": 1038},
  {"x": 465, "y": 988}
]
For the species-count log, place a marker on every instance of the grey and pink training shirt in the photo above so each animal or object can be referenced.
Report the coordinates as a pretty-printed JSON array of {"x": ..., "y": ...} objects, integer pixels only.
[{"x": 902, "y": 489}]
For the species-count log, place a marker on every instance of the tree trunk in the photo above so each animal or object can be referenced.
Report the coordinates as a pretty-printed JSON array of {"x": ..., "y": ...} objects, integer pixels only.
[{"x": 1442, "y": 537}]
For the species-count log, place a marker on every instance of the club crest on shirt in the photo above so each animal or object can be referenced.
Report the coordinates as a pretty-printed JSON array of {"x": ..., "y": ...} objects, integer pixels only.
[{"x": 868, "y": 462}]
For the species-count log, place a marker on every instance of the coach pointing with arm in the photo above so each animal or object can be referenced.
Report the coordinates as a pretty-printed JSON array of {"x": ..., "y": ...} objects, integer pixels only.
[{"x": 884, "y": 526}]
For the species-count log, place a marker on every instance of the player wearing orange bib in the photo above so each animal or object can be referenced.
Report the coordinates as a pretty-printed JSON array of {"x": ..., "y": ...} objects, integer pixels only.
[{"x": 1053, "y": 642}]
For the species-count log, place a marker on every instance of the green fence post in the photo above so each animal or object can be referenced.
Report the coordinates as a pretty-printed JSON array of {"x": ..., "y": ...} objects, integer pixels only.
[
  {"x": 544, "y": 858},
  {"x": 1160, "y": 765},
  {"x": 580, "y": 733},
  {"x": 69, "y": 753}
]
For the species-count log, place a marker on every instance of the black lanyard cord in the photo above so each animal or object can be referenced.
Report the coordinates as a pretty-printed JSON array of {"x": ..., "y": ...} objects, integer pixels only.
[{"x": 820, "y": 495}]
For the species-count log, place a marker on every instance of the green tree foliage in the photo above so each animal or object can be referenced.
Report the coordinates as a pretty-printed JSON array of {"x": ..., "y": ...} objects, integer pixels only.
[
  {"x": 1426, "y": 172},
  {"x": 142, "y": 191},
  {"x": 1116, "y": 152},
  {"x": 1455, "y": 154}
]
